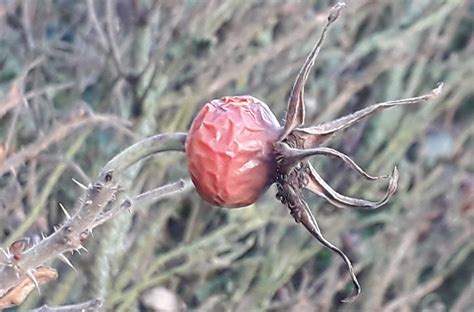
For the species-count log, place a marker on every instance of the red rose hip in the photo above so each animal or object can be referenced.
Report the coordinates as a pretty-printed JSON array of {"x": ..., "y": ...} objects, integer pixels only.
[{"x": 230, "y": 150}]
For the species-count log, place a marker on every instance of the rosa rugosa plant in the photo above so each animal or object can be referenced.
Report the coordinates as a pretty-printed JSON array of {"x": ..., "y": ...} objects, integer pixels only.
[{"x": 236, "y": 149}]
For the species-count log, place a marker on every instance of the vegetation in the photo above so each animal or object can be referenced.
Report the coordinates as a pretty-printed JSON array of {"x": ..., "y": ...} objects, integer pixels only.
[{"x": 81, "y": 81}]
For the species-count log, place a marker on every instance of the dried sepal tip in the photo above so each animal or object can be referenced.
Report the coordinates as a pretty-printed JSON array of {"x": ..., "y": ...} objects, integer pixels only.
[
  {"x": 296, "y": 109},
  {"x": 315, "y": 135},
  {"x": 308, "y": 220},
  {"x": 318, "y": 186},
  {"x": 335, "y": 12}
]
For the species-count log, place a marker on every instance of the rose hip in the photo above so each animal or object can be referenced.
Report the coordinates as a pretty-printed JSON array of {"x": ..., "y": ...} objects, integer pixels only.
[
  {"x": 230, "y": 150},
  {"x": 236, "y": 149}
]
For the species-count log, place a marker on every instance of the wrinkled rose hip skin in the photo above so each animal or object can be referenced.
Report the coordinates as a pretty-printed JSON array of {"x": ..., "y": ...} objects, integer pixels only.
[
  {"x": 230, "y": 150},
  {"x": 236, "y": 149}
]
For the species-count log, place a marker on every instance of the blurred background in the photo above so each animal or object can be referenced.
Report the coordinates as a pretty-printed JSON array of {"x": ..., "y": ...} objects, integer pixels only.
[{"x": 148, "y": 66}]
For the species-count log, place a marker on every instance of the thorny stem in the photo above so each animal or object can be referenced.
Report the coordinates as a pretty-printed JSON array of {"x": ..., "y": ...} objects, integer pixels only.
[
  {"x": 76, "y": 229},
  {"x": 144, "y": 198},
  {"x": 296, "y": 109}
]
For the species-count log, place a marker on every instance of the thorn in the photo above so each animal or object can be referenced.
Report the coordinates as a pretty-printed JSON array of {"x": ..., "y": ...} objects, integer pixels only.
[
  {"x": 64, "y": 259},
  {"x": 43, "y": 236},
  {"x": 32, "y": 277},
  {"x": 56, "y": 228},
  {"x": 68, "y": 216},
  {"x": 88, "y": 231},
  {"x": 437, "y": 91},
  {"x": 82, "y": 186},
  {"x": 7, "y": 254},
  {"x": 5, "y": 264},
  {"x": 82, "y": 247}
]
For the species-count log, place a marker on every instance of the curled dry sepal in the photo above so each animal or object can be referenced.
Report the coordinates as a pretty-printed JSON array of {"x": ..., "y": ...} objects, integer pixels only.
[{"x": 297, "y": 143}]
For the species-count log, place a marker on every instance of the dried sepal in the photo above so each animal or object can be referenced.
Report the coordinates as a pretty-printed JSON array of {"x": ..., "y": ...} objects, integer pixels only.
[
  {"x": 291, "y": 156},
  {"x": 316, "y": 184},
  {"x": 313, "y": 136},
  {"x": 309, "y": 222},
  {"x": 290, "y": 193},
  {"x": 296, "y": 108}
]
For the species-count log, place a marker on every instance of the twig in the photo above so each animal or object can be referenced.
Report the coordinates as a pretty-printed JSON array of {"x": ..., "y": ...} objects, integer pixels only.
[
  {"x": 145, "y": 198},
  {"x": 26, "y": 25},
  {"x": 143, "y": 149},
  {"x": 11, "y": 130},
  {"x": 432, "y": 284},
  {"x": 112, "y": 42},
  {"x": 78, "y": 120},
  {"x": 15, "y": 95},
  {"x": 95, "y": 22},
  {"x": 91, "y": 305}
]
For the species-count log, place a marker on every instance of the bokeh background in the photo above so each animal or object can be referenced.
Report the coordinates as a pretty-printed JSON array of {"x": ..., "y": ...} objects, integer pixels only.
[{"x": 148, "y": 66}]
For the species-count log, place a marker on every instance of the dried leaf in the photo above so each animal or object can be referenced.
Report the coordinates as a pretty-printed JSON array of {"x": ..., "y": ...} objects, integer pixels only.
[{"x": 18, "y": 294}]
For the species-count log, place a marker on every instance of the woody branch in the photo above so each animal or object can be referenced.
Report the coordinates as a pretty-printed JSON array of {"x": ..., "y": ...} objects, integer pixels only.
[{"x": 16, "y": 266}]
